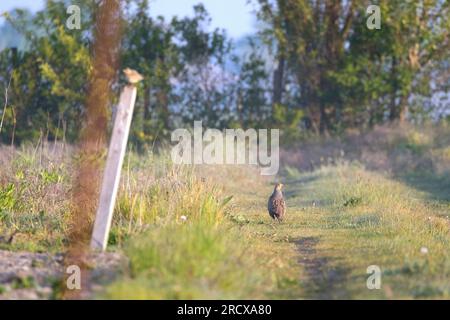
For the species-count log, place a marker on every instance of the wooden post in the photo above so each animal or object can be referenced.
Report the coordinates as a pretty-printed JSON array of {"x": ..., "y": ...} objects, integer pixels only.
[{"x": 111, "y": 176}]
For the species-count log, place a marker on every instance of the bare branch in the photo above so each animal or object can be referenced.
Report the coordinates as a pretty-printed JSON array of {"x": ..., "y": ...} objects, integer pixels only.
[{"x": 348, "y": 21}]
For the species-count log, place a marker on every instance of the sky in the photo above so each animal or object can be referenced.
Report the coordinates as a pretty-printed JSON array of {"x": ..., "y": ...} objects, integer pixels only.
[{"x": 235, "y": 16}]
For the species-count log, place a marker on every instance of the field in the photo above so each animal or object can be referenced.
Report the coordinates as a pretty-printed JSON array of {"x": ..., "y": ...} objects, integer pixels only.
[{"x": 380, "y": 198}]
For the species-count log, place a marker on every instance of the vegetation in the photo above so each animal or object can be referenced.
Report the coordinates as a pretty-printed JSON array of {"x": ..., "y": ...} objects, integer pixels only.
[
  {"x": 310, "y": 69},
  {"x": 365, "y": 148},
  {"x": 341, "y": 219},
  {"x": 195, "y": 232},
  {"x": 351, "y": 76}
]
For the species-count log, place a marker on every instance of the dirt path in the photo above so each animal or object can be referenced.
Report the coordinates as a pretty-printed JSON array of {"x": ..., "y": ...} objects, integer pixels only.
[
  {"x": 322, "y": 276},
  {"x": 26, "y": 275}
]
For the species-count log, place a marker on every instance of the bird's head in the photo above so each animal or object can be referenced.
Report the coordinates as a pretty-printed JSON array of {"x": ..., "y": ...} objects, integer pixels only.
[{"x": 278, "y": 186}]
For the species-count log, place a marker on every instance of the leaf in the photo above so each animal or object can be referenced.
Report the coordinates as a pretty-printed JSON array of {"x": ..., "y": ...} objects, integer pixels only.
[{"x": 226, "y": 201}]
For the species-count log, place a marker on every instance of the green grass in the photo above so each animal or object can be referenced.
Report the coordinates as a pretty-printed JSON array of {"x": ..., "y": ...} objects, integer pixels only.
[
  {"x": 34, "y": 198},
  {"x": 360, "y": 218},
  {"x": 341, "y": 219},
  {"x": 193, "y": 261},
  {"x": 206, "y": 256}
]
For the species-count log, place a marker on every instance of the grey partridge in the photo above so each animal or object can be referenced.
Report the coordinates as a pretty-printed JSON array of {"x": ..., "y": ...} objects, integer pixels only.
[{"x": 276, "y": 204}]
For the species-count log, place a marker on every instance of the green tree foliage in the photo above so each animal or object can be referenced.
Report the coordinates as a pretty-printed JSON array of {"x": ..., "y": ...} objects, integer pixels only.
[
  {"x": 389, "y": 70},
  {"x": 253, "y": 104},
  {"x": 350, "y": 76},
  {"x": 206, "y": 88},
  {"x": 148, "y": 47},
  {"x": 49, "y": 79}
]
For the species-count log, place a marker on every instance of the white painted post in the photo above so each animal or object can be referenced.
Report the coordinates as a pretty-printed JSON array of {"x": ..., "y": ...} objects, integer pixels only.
[{"x": 111, "y": 175}]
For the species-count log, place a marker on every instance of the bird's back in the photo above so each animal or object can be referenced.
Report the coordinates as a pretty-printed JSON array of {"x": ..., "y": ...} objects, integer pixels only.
[{"x": 276, "y": 205}]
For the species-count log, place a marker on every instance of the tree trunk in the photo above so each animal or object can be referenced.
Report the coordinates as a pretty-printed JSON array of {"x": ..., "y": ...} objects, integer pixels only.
[
  {"x": 324, "y": 121},
  {"x": 146, "y": 112},
  {"x": 278, "y": 81},
  {"x": 163, "y": 103},
  {"x": 403, "y": 108},
  {"x": 393, "y": 114}
]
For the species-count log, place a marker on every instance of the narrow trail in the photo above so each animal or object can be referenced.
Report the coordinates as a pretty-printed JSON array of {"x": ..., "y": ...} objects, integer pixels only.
[
  {"x": 302, "y": 241},
  {"x": 321, "y": 282},
  {"x": 322, "y": 276}
]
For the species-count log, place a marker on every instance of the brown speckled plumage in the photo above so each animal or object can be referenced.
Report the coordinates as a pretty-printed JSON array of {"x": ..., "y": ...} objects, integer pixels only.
[
  {"x": 133, "y": 76},
  {"x": 277, "y": 205}
]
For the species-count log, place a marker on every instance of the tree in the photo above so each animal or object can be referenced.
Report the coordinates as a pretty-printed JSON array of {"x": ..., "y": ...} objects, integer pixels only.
[
  {"x": 348, "y": 75},
  {"x": 49, "y": 78},
  {"x": 311, "y": 37}
]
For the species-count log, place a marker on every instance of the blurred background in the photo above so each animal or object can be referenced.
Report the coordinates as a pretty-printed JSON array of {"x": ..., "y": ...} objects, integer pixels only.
[{"x": 310, "y": 68}]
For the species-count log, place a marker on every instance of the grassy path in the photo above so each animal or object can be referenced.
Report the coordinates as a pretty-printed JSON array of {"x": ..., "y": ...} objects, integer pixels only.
[
  {"x": 186, "y": 240},
  {"x": 341, "y": 220}
]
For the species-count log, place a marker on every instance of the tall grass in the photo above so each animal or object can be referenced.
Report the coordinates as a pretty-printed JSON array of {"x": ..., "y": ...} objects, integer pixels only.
[
  {"x": 191, "y": 261},
  {"x": 174, "y": 223},
  {"x": 35, "y": 196},
  {"x": 397, "y": 149},
  {"x": 188, "y": 248}
]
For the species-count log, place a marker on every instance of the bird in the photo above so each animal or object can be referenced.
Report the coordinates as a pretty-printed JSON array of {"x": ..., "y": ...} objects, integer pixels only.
[
  {"x": 133, "y": 76},
  {"x": 276, "y": 204}
]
